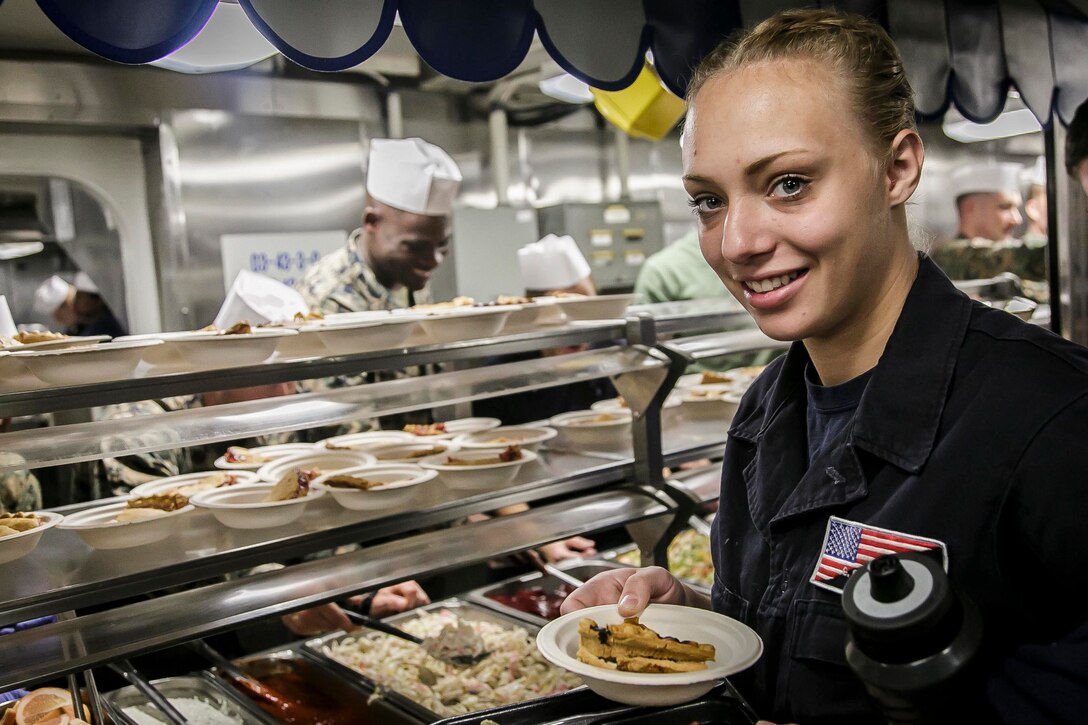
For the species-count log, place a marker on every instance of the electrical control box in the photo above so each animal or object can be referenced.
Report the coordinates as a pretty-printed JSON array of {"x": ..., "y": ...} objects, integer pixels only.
[
  {"x": 615, "y": 237},
  {"x": 483, "y": 259}
]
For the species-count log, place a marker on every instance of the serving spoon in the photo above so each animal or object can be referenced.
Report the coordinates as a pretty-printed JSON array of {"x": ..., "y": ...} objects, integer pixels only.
[{"x": 431, "y": 645}]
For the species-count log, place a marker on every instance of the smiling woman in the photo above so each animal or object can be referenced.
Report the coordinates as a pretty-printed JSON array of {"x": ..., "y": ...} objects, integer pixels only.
[{"x": 902, "y": 407}]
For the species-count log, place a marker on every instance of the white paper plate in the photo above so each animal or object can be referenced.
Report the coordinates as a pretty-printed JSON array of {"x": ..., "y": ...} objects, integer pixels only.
[
  {"x": 476, "y": 477},
  {"x": 736, "y": 645},
  {"x": 245, "y": 507},
  {"x": 614, "y": 404},
  {"x": 583, "y": 429},
  {"x": 274, "y": 452},
  {"x": 210, "y": 350},
  {"x": 176, "y": 483},
  {"x": 98, "y": 529},
  {"x": 596, "y": 307},
  {"x": 324, "y": 461},
  {"x": 10, "y": 367},
  {"x": 19, "y": 545},
  {"x": 62, "y": 343},
  {"x": 410, "y": 451},
  {"x": 528, "y": 437},
  {"x": 401, "y": 484},
  {"x": 349, "y": 337},
  {"x": 87, "y": 364},
  {"x": 368, "y": 440},
  {"x": 461, "y": 426},
  {"x": 475, "y": 322}
]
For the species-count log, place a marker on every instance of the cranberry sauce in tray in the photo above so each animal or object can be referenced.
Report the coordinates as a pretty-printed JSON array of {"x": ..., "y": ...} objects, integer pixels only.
[{"x": 534, "y": 597}]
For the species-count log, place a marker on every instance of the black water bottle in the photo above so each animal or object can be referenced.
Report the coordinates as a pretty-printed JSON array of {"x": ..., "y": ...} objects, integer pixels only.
[{"x": 912, "y": 639}]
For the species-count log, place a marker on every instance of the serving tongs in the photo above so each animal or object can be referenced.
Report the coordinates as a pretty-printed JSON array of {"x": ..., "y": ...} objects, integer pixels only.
[
  {"x": 234, "y": 673},
  {"x": 134, "y": 678},
  {"x": 431, "y": 645},
  {"x": 545, "y": 568}
]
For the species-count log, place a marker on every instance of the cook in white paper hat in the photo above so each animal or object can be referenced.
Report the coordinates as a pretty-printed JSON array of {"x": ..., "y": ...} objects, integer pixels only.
[
  {"x": 554, "y": 264},
  {"x": 388, "y": 261},
  {"x": 988, "y": 199},
  {"x": 84, "y": 283},
  {"x": 53, "y": 300},
  {"x": 257, "y": 299}
]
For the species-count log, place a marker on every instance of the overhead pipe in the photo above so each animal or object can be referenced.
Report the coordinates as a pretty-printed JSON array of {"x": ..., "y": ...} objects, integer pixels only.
[{"x": 623, "y": 162}]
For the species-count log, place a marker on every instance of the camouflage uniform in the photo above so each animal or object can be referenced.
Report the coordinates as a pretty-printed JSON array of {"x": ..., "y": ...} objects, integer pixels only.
[
  {"x": 344, "y": 282},
  {"x": 19, "y": 490},
  {"x": 973, "y": 259}
]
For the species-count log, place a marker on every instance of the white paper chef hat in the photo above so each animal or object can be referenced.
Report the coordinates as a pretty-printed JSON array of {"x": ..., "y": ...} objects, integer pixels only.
[
  {"x": 986, "y": 177},
  {"x": 84, "y": 283},
  {"x": 552, "y": 263},
  {"x": 50, "y": 295},
  {"x": 412, "y": 175},
  {"x": 7, "y": 323},
  {"x": 257, "y": 299}
]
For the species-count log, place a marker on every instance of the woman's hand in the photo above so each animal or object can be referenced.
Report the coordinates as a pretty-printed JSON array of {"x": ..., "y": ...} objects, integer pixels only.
[
  {"x": 572, "y": 548},
  {"x": 398, "y": 598},
  {"x": 330, "y": 617},
  {"x": 633, "y": 589}
]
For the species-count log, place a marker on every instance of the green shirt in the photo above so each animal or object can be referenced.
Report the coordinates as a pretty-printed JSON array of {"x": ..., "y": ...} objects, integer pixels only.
[{"x": 679, "y": 272}]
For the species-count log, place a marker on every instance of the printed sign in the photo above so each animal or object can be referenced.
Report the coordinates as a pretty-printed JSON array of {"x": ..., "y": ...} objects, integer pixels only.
[{"x": 283, "y": 256}]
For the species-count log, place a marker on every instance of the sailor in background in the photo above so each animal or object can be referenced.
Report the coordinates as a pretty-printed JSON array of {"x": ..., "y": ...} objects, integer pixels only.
[
  {"x": 78, "y": 308},
  {"x": 988, "y": 204},
  {"x": 405, "y": 235}
]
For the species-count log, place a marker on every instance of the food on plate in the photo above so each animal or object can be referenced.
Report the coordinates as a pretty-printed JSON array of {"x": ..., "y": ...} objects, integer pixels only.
[
  {"x": 512, "y": 300},
  {"x": 562, "y": 294},
  {"x": 534, "y": 600},
  {"x": 238, "y": 454},
  {"x": 294, "y": 484},
  {"x": 18, "y": 522},
  {"x": 169, "y": 501},
  {"x": 346, "y": 481},
  {"x": 750, "y": 371},
  {"x": 600, "y": 418},
  {"x": 311, "y": 316},
  {"x": 399, "y": 455},
  {"x": 215, "y": 480},
  {"x": 44, "y": 706},
  {"x": 28, "y": 337},
  {"x": 513, "y": 672},
  {"x": 689, "y": 557},
  {"x": 238, "y": 328},
  {"x": 455, "y": 302},
  {"x": 425, "y": 429},
  {"x": 712, "y": 378},
  {"x": 510, "y": 453},
  {"x": 634, "y": 647},
  {"x": 708, "y": 394}
]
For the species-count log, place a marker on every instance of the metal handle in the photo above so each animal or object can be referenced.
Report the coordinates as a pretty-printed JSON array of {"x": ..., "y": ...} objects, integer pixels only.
[
  {"x": 376, "y": 624},
  {"x": 126, "y": 670},
  {"x": 700, "y": 525},
  {"x": 546, "y": 568}
]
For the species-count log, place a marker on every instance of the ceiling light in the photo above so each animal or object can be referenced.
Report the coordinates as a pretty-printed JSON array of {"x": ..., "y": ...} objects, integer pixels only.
[
  {"x": 567, "y": 88},
  {"x": 1009, "y": 123},
  {"x": 229, "y": 41}
]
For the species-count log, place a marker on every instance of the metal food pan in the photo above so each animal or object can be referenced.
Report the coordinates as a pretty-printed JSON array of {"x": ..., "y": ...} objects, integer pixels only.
[
  {"x": 582, "y": 570},
  {"x": 463, "y": 609},
  {"x": 200, "y": 686},
  {"x": 356, "y": 696},
  {"x": 612, "y": 556}
]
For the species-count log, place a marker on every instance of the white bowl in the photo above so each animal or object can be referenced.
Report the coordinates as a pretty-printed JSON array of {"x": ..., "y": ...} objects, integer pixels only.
[
  {"x": 529, "y": 437},
  {"x": 400, "y": 485},
  {"x": 475, "y": 322},
  {"x": 245, "y": 507},
  {"x": 305, "y": 344},
  {"x": 164, "y": 355},
  {"x": 595, "y": 307},
  {"x": 87, "y": 364},
  {"x": 460, "y": 426},
  {"x": 98, "y": 529},
  {"x": 475, "y": 477},
  {"x": 316, "y": 459},
  {"x": 595, "y": 428},
  {"x": 347, "y": 337},
  {"x": 410, "y": 451},
  {"x": 736, "y": 645},
  {"x": 62, "y": 343},
  {"x": 272, "y": 453},
  {"x": 179, "y": 483},
  {"x": 16, "y": 546},
  {"x": 10, "y": 367},
  {"x": 366, "y": 441},
  {"x": 524, "y": 319},
  {"x": 210, "y": 350},
  {"x": 711, "y": 401},
  {"x": 613, "y": 404}
]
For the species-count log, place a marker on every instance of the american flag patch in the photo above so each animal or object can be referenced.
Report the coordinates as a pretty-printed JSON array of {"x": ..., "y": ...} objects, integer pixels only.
[{"x": 849, "y": 545}]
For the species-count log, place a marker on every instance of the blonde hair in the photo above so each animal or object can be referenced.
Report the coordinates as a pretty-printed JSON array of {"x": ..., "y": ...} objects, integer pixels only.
[{"x": 860, "y": 52}]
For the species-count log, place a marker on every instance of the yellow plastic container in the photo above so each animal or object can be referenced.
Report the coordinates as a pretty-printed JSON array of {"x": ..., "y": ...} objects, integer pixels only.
[{"x": 644, "y": 109}]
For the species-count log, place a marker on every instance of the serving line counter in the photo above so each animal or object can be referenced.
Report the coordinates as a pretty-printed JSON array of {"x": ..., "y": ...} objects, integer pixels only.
[{"x": 589, "y": 490}]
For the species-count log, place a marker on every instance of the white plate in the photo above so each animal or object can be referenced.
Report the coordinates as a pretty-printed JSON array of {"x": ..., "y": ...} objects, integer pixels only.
[
  {"x": 529, "y": 437},
  {"x": 688, "y": 380},
  {"x": 596, "y": 307},
  {"x": 582, "y": 427},
  {"x": 614, "y": 404},
  {"x": 525, "y": 319},
  {"x": 348, "y": 337},
  {"x": 461, "y": 426},
  {"x": 19, "y": 545},
  {"x": 211, "y": 350},
  {"x": 178, "y": 483},
  {"x": 736, "y": 645},
  {"x": 88, "y": 364},
  {"x": 366, "y": 441},
  {"x": 274, "y": 452},
  {"x": 245, "y": 507},
  {"x": 720, "y": 402},
  {"x": 481, "y": 476},
  {"x": 316, "y": 459},
  {"x": 708, "y": 392},
  {"x": 98, "y": 529},
  {"x": 62, "y": 343},
  {"x": 475, "y": 322},
  {"x": 411, "y": 451},
  {"x": 400, "y": 481}
]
